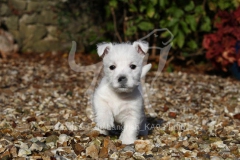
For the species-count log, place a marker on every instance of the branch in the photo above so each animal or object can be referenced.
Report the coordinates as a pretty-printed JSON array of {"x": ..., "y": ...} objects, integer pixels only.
[{"x": 115, "y": 25}]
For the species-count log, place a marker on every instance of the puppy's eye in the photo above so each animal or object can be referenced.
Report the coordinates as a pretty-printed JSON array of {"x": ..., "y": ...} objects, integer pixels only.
[
  {"x": 132, "y": 66},
  {"x": 112, "y": 67}
]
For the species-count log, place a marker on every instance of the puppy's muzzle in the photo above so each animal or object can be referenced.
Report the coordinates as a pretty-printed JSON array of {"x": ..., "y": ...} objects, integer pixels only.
[{"x": 122, "y": 80}]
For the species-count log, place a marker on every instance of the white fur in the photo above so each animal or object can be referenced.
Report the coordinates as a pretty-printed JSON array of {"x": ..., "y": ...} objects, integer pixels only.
[{"x": 114, "y": 102}]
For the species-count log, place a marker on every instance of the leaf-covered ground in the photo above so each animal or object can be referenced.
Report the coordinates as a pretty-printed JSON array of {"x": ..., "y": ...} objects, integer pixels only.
[{"x": 45, "y": 114}]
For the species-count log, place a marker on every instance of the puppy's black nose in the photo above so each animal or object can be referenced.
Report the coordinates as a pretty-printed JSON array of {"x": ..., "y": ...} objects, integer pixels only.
[{"x": 122, "y": 79}]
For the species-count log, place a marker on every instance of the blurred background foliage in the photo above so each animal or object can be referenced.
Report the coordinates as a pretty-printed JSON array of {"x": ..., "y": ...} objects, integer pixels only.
[{"x": 130, "y": 20}]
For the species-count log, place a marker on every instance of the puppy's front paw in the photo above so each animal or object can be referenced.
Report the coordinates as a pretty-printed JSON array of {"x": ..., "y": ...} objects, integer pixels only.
[
  {"x": 105, "y": 122},
  {"x": 127, "y": 139},
  {"x": 101, "y": 131}
]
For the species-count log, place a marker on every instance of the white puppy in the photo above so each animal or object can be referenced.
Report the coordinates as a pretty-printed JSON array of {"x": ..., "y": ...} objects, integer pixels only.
[{"x": 117, "y": 98}]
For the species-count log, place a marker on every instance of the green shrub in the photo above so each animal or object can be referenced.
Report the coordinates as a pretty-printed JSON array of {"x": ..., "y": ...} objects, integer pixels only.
[
  {"x": 129, "y": 20},
  {"x": 188, "y": 20}
]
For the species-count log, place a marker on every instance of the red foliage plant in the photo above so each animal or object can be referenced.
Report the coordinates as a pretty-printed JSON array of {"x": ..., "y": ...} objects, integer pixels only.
[{"x": 221, "y": 45}]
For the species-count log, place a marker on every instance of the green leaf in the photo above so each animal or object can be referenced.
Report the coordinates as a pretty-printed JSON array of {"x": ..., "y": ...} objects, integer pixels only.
[
  {"x": 163, "y": 3},
  {"x": 150, "y": 11},
  {"x": 223, "y": 5},
  {"x": 139, "y": 19},
  {"x": 185, "y": 27},
  {"x": 145, "y": 26},
  {"x": 178, "y": 13},
  {"x": 190, "y": 19},
  {"x": 132, "y": 8},
  {"x": 110, "y": 26},
  {"x": 163, "y": 23},
  {"x": 172, "y": 22},
  {"x": 156, "y": 16},
  {"x": 113, "y": 3},
  {"x": 175, "y": 12},
  {"x": 131, "y": 31},
  {"x": 206, "y": 24},
  {"x": 185, "y": 54},
  {"x": 192, "y": 44},
  {"x": 142, "y": 8},
  {"x": 170, "y": 68},
  {"x": 198, "y": 9},
  {"x": 180, "y": 38},
  {"x": 154, "y": 2},
  {"x": 175, "y": 29},
  {"x": 189, "y": 7},
  {"x": 165, "y": 34}
]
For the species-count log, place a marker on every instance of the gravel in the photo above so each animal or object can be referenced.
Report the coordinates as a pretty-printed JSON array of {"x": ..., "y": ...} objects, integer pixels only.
[{"x": 45, "y": 114}]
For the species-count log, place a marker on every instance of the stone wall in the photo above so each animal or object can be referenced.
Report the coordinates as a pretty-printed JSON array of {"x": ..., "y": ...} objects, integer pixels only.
[{"x": 36, "y": 27}]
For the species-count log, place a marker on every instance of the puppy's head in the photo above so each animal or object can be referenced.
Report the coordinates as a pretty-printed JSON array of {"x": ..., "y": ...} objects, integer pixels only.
[{"x": 123, "y": 64}]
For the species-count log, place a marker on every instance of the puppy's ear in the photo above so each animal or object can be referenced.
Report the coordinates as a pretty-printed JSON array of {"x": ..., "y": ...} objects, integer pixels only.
[
  {"x": 145, "y": 69},
  {"x": 141, "y": 46},
  {"x": 103, "y": 49}
]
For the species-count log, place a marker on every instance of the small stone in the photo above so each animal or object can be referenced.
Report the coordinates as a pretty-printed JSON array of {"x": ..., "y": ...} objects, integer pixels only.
[
  {"x": 24, "y": 152},
  {"x": 175, "y": 154},
  {"x": 237, "y": 116},
  {"x": 165, "y": 108},
  {"x": 155, "y": 149},
  {"x": 92, "y": 151},
  {"x": 112, "y": 147},
  {"x": 6, "y": 155},
  {"x": 63, "y": 138},
  {"x": 205, "y": 147},
  {"x": 143, "y": 146},
  {"x": 23, "y": 145},
  {"x": 85, "y": 139},
  {"x": 71, "y": 126},
  {"x": 35, "y": 157},
  {"x": 117, "y": 143},
  {"x": 36, "y": 147},
  {"x": 106, "y": 142},
  {"x": 48, "y": 153},
  {"x": 127, "y": 154},
  {"x": 166, "y": 158},
  {"x": 114, "y": 156},
  {"x": 103, "y": 152},
  {"x": 93, "y": 134},
  {"x": 218, "y": 144},
  {"x": 215, "y": 158},
  {"x": 13, "y": 151},
  {"x": 129, "y": 148},
  {"x": 57, "y": 126},
  {"x": 43, "y": 145},
  {"x": 77, "y": 148},
  {"x": 193, "y": 146},
  {"x": 96, "y": 142},
  {"x": 51, "y": 138},
  {"x": 31, "y": 119},
  {"x": 138, "y": 156},
  {"x": 67, "y": 149},
  {"x": 185, "y": 143},
  {"x": 172, "y": 114}
]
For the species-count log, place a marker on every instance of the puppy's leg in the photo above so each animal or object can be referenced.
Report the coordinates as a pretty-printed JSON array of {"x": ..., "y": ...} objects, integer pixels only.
[
  {"x": 130, "y": 131},
  {"x": 103, "y": 115}
]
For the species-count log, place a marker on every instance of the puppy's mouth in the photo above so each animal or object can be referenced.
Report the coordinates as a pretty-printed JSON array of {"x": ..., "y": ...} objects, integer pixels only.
[{"x": 124, "y": 88}]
